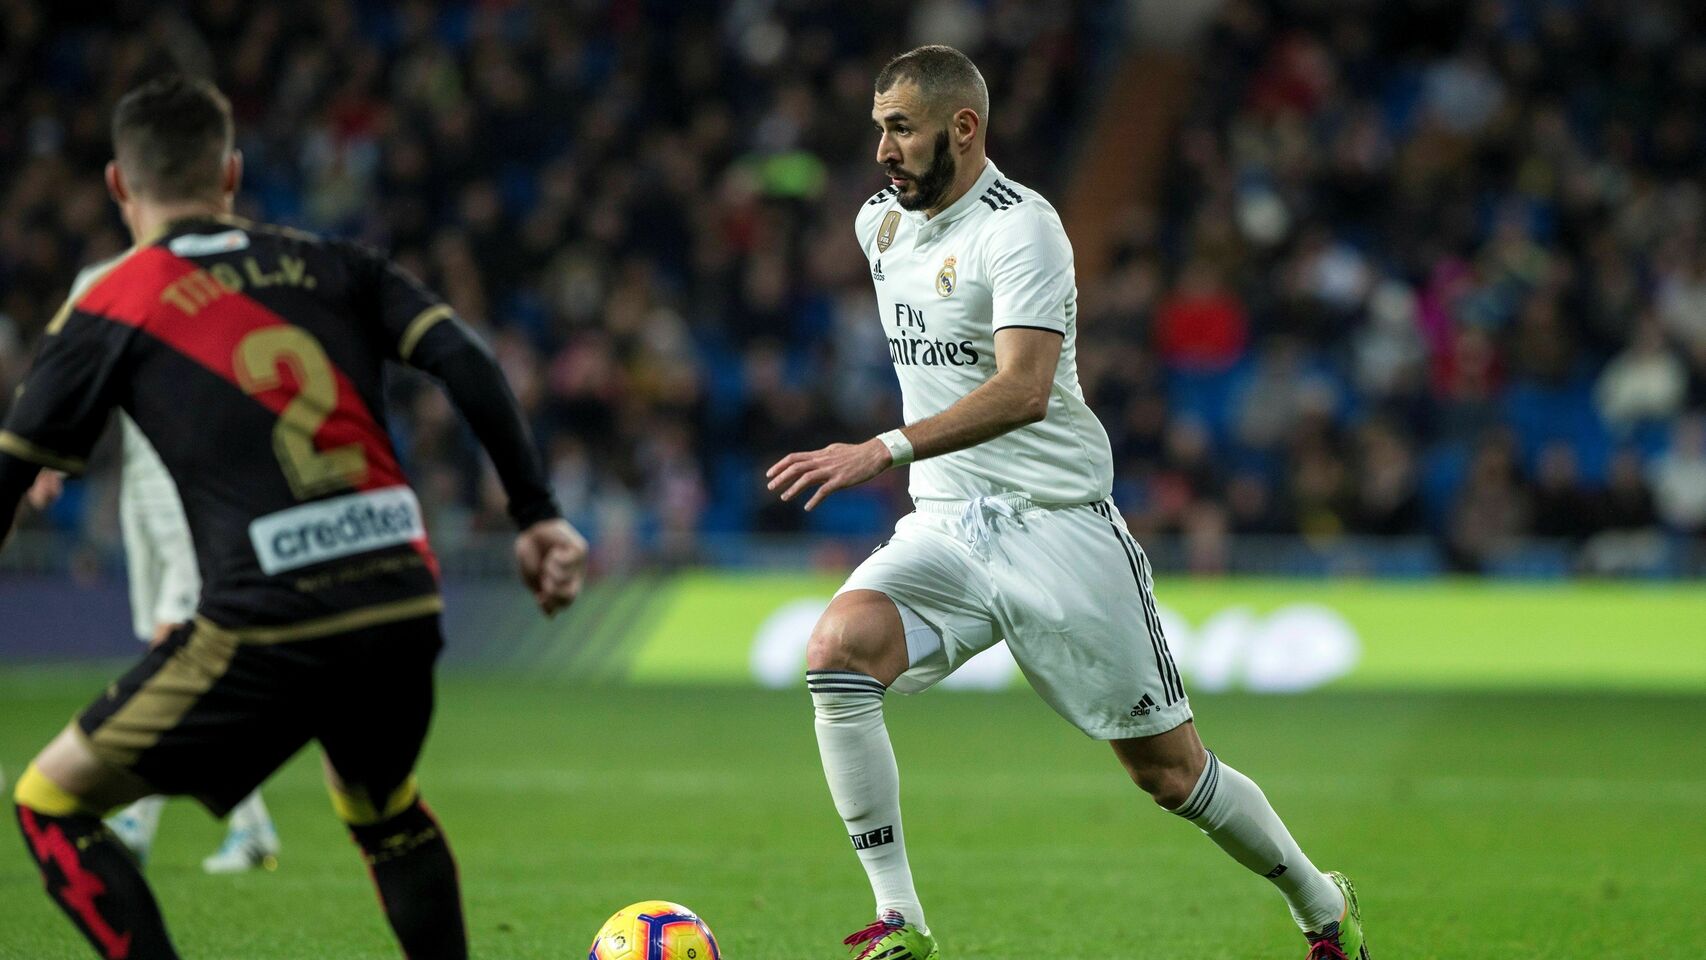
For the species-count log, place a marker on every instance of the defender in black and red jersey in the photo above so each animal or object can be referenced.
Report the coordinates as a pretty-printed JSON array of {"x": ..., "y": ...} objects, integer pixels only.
[{"x": 251, "y": 358}]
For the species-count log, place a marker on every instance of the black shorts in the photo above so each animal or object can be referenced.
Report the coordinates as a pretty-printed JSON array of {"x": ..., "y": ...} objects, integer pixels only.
[{"x": 208, "y": 716}]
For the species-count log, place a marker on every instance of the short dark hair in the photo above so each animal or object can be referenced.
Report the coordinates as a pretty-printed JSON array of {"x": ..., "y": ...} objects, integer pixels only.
[
  {"x": 171, "y": 136},
  {"x": 945, "y": 78}
]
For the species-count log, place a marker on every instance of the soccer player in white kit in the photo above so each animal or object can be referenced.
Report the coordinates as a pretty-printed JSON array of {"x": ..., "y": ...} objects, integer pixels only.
[
  {"x": 164, "y": 588},
  {"x": 1014, "y": 535}
]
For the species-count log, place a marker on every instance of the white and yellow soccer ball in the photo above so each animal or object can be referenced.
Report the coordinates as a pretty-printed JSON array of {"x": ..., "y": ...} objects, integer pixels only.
[{"x": 655, "y": 930}]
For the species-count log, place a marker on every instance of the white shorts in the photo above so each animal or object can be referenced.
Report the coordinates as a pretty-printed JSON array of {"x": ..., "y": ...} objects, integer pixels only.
[
  {"x": 1066, "y": 586},
  {"x": 165, "y": 584}
]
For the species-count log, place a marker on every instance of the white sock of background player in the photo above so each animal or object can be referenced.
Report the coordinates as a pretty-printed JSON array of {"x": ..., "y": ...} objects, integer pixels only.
[
  {"x": 858, "y": 762},
  {"x": 138, "y": 823},
  {"x": 1234, "y": 813},
  {"x": 251, "y": 814}
]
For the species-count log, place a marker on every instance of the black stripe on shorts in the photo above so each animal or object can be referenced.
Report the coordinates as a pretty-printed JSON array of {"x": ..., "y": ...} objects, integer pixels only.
[{"x": 1173, "y": 689}]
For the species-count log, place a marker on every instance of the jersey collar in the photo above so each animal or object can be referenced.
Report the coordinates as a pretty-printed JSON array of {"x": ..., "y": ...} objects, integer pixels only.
[
  {"x": 960, "y": 207},
  {"x": 177, "y": 225}
]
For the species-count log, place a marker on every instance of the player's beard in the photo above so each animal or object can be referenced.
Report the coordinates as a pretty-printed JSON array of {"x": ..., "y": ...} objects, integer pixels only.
[{"x": 929, "y": 188}]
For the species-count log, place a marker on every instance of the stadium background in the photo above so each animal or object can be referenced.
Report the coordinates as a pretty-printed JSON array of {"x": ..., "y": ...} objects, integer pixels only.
[{"x": 1395, "y": 312}]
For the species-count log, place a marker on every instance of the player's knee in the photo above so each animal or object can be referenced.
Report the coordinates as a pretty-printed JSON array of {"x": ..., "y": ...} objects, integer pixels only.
[
  {"x": 1169, "y": 784},
  {"x": 828, "y": 648},
  {"x": 358, "y": 807},
  {"x": 1167, "y": 776},
  {"x": 855, "y": 633},
  {"x": 38, "y": 792},
  {"x": 1167, "y": 765},
  {"x": 67, "y": 778}
]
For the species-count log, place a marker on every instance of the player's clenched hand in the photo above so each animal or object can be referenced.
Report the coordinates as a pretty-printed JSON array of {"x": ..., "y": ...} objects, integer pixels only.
[
  {"x": 551, "y": 556},
  {"x": 49, "y": 485},
  {"x": 835, "y": 467}
]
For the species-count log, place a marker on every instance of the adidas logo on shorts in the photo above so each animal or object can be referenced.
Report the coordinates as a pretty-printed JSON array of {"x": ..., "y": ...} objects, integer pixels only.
[{"x": 1143, "y": 707}]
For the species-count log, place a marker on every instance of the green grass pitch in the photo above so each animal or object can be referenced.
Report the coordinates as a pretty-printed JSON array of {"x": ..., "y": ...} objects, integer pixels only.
[{"x": 1476, "y": 826}]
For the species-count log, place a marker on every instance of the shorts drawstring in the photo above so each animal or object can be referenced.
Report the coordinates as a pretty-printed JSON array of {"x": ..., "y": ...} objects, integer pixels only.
[{"x": 977, "y": 520}]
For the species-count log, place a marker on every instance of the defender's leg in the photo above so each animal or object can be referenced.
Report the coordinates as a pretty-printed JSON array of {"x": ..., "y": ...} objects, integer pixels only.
[
  {"x": 410, "y": 861},
  {"x": 151, "y": 731},
  {"x": 381, "y": 703},
  {"x": 91, "y": 875}
]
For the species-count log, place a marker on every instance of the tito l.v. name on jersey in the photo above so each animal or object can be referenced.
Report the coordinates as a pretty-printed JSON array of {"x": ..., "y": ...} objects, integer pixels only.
[
  {"x": 997, "y": 257},
  {"x": 251, "y": 358}
]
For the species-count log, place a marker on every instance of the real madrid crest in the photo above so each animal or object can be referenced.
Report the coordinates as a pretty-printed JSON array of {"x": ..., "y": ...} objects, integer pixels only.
[
  {"x": 947, "y": 279},
  {"x": 885, "y": 234}
]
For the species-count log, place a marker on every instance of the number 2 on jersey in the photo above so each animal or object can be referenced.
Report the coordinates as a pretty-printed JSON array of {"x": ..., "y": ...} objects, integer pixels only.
[{"x": 310, "y": 471}]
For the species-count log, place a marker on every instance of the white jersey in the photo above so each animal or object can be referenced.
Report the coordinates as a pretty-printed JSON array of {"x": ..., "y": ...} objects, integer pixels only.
[
  {"x": 998, "y": 257},
  {"x": 159, "y": 555}
]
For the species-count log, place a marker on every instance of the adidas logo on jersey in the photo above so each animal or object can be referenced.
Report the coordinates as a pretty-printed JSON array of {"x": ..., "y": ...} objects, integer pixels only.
[
  {"x": 883, "y": 195},
  {"x": 1001, "y": 197},
  {"x": 1143, "y": 706},
  {"x": 877, "y": 270}
]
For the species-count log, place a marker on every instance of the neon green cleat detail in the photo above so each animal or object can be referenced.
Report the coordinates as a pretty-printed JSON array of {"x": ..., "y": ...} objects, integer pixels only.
[
  {"x": 892, "y": 938},
  {"x": 1342, "y": 939}
]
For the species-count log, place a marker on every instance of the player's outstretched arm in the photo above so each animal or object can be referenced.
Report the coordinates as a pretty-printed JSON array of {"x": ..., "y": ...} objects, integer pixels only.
[
  {"x": 1016, "y": 395},
  {"x": 551, "y": 555}
]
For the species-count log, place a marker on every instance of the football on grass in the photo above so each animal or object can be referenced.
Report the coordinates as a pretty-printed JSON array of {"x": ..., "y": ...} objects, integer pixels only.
[{"x": 654, "y": 930}]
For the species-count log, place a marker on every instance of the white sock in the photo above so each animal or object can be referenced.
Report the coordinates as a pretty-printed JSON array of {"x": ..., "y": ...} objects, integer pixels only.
[
  {"x": 250, "y": 814},
  {"x": 145, "y": 814},
  {"x": 1233, "y": 812},
  {"x": 858, "y": 762}
]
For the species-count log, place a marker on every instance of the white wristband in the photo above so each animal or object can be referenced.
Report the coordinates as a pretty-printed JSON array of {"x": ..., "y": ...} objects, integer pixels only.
[{"x": 900, "y": 448}]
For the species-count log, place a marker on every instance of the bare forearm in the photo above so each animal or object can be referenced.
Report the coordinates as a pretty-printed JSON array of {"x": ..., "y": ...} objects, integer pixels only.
[
  {"x": 1016, "y": 395},
  {"x": 1001, "y": 404}
]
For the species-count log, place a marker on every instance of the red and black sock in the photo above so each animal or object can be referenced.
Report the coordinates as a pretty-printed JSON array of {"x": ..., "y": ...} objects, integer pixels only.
[
  {"x": 95, "y": 880},
  {"x": 416, "y": 876}
]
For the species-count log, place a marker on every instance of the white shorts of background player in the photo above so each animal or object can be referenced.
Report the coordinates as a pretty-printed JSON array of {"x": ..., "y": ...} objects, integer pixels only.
[{"x": 159, "y": 557}]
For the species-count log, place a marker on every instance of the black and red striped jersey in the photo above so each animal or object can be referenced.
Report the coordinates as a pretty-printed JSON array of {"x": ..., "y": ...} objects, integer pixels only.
[{"x": 251, "y": 357}]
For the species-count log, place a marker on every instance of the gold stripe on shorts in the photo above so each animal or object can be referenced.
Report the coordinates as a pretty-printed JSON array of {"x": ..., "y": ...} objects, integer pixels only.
[
  {"x": 164, "y": 698},
  {"x": 376, "y": 615}
]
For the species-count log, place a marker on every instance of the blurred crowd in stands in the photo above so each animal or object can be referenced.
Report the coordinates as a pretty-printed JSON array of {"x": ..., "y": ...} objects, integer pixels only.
[
  {"x": 1418, "y": 269},
  {"x": 1427, "y": 267}
]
